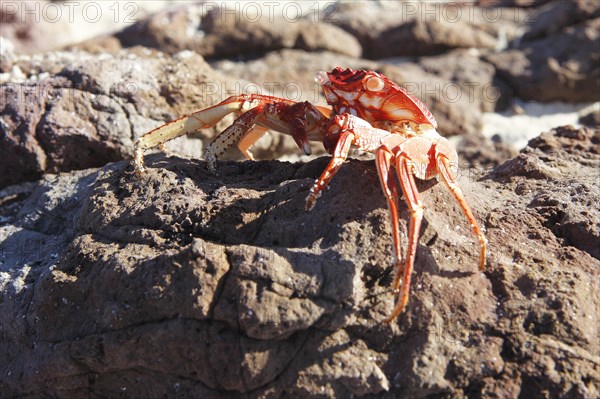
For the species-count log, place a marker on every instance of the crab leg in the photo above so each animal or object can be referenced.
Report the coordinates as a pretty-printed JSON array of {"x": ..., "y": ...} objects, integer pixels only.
[
  {"x": 443, "y": 165},
  {"x": 248, "y": 140},
  {"x": 240, "y": 127},
  {"x": 390, "y": 190},
  {"x": 291, "y": 118},
  {"x": 339, "y": 156},
  {"x": 199, "y": 120},
  {"x": 415, "y": 206}
]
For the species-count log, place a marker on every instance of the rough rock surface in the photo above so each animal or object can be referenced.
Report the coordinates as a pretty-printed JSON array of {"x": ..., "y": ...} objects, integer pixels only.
[
  {"x": 592, "y": 118},
  {"x": 419, "y": 37},
  {"x": 75, "y": 110},
  {"x": 192, "y": 284}
]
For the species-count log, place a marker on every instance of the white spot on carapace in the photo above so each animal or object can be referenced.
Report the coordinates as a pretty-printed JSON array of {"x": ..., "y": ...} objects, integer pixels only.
[
  {"x": 400, "y": 114},
  {"x": 348, "y": 96},
  {"x": 373, "y": 102},
  {"x": 331, "y": 97}
]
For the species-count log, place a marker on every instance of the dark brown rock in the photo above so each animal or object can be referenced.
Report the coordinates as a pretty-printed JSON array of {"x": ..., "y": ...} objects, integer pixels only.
[
  {"x": 97, "y": 45},
  {"x": 475, "y": 78},
  {"x": 554, "y": 156},
  {"x": 389, "y": 29},
  {"x": 77, "y": 110},
  {"x": 189, "y": 284},
  {"x": 421, "y": 37},
  {"x": 556, "y": 15},
  {"x": 366, "y": 21},
  {"x": 192, "y": 284},
  {"x": 551, "y": 69},
  {"x": 512, "y": 3},
  {"x": 221, "y": 33},
  {"x": 591, "y": 118},
  {"x": 23, "y": 159},
  {"x": 481, "y": 154}
]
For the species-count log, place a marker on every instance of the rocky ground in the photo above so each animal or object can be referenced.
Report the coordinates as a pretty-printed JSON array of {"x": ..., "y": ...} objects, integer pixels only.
[{"x": 187, "y": 283}]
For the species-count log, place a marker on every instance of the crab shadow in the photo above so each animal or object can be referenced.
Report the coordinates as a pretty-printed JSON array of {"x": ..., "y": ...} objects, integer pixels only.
[
  {"x": 273, "y": 215},
  {"x": 267, "y": 206}
]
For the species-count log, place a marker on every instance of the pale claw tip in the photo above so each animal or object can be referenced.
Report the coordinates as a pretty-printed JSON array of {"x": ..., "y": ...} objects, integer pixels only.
[{"x": 307, "y": 149}]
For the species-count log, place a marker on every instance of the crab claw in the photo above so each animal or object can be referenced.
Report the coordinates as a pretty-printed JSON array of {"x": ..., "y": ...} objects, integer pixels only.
[{"x": 298, "y": 131}]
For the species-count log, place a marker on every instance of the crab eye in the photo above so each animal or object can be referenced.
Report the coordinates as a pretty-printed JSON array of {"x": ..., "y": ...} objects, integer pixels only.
[
  {"x": 322, "y": 78},
  {"x": 374, "y": 83}
]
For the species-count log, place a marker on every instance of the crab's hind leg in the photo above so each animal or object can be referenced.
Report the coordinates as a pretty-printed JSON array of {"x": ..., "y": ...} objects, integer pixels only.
[
  {"x": 415, "y": 207},
  {"x": 188, "y": 124},
  {"x": 444, "y": 167}
]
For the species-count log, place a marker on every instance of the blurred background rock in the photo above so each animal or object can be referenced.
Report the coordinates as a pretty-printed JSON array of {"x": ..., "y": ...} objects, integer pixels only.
[{"x": 494, "y": 73}]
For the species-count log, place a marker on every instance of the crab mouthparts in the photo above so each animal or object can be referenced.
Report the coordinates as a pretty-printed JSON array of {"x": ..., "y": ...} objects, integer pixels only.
[{"x": 322, "y": 78}]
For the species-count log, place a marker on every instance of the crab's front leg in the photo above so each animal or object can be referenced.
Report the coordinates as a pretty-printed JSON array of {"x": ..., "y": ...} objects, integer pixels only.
[
  {"x": 202, "y": 119},
  {"x": 338, "y": 157},
  {"x": 242, "y": 126},
  {"x": 344, "y": 130},
  {"x": 190, "y": 123}
]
